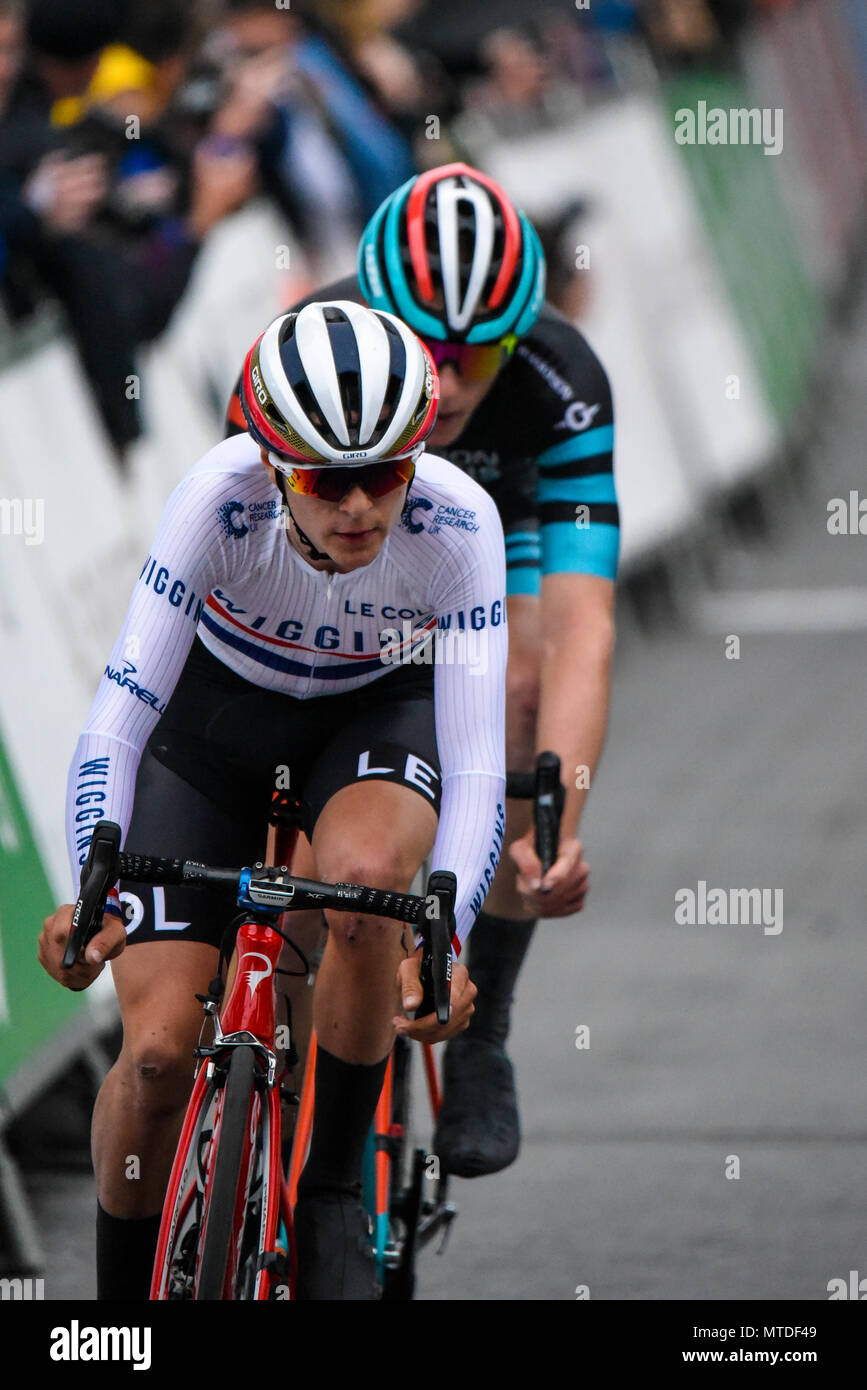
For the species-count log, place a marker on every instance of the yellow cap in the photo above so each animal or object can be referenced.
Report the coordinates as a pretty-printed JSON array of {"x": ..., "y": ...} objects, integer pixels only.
[{"x": 120, "y": 70}]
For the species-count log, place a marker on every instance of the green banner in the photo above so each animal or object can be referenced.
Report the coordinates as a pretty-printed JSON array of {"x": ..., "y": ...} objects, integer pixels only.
[
  {"x": 736, "y": 187},
  {"x": 32, "y": 1006}
]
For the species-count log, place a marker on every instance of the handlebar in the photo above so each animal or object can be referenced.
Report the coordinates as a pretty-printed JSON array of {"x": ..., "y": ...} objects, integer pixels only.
[{"x": 263, "y": 891}]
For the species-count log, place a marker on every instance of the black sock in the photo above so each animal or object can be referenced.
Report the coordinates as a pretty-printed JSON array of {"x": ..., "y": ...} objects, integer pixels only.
[
  {"x": 125, "y": 1253},
  {"x": 497, "y": 947},
  {"x": 346, "y": 1096}
]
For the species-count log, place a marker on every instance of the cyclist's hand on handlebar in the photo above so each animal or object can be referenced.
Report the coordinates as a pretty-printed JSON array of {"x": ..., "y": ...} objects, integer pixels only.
[
  {"x": 427, "y": 1029},
  {"x": 566, "y": 882},
  {"x": 108, "y": 943}
]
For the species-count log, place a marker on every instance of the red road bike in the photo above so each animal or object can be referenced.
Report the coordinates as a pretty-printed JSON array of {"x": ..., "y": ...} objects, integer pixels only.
[{"x": 226, "y": 1231}]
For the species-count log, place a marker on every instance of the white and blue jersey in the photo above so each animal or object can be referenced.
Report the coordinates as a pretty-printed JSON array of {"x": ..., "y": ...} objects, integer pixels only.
[{"x": 221, "y": 567}]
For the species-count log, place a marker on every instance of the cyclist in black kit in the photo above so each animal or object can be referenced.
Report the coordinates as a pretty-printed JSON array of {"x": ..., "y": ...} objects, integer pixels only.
[{"x": 526, "y": 410}]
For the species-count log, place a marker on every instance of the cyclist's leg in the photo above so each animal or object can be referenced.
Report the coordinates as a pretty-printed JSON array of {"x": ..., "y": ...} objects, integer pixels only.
[
  {"x": 375, "y": 830},
  {"x": 377, "y": 833},
  {"x": 355, "y": 1000},
  {"x": 478, "y": 1129},
  {"x": 140, "y": 1107}
]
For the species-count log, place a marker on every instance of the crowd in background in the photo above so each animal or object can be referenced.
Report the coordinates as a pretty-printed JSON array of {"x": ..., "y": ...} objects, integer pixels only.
[{"x": 128, "y": 131}]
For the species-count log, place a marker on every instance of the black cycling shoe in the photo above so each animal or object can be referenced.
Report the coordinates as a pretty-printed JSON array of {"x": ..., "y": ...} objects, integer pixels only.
[
  {"x": 332, "y": 1241},
  {"x": 478, "y": 1130}
]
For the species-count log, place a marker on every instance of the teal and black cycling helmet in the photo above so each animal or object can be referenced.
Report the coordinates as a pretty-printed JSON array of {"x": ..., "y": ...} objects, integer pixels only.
[{"x": 451, "y": 255}]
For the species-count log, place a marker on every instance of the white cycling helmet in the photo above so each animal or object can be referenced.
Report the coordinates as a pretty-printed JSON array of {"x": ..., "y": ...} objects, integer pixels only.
[{"x": 338, "y": 383}]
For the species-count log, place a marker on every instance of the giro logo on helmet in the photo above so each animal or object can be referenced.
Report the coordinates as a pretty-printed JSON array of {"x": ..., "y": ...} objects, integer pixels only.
[{"x": 258, "y": 387}]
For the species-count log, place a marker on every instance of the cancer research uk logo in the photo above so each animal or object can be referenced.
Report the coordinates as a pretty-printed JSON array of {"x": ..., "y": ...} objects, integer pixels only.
[
  {"x": 460, "y": 518},
  {"x": 231, "y": 516},
  {"x": 738, "y": 126}
]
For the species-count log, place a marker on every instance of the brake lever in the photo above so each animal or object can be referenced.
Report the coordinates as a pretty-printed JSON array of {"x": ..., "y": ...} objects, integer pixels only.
[
  {"x": 100, "y": 871},
  {"x": 548, "y": 809},
  {"x": 437, "y": 930}
]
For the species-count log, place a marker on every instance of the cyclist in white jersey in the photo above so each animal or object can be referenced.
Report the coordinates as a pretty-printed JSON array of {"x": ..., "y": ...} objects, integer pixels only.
[{"x": 287, "y": 617}]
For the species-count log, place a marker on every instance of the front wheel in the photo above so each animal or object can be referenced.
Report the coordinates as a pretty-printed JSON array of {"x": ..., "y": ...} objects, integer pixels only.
[{"x": 228, "y": 1170}]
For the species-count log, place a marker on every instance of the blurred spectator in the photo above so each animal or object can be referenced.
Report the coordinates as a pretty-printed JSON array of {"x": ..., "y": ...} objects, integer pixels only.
[
  {"x": 327, "y": 154},
  {"x": 681, "y": 32},
  {"x": 409, "y": 81},
  {"x": 42, "y": 189},
  {"x": 265, "y": 100},
  {"x": 527, "y": 84},
  {"x": 99, "y": 204},
  {"x": 364, "y": 28},
  {"x": 517, "y": 71},
  {"x": 11, "y": 48},
  {"x": 380, "y": 157}
]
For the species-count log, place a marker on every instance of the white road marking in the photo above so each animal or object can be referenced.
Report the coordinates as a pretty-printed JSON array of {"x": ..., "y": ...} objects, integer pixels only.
[{"x": 783, "y": 610}]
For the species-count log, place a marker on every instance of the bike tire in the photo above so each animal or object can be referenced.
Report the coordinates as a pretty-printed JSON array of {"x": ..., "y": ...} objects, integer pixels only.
[
  {"x": 173, "y": 1277},
  {"x": 225, "y": 1168},
  {"x": 399, "y": 1285},
  {"x": 401, "y": 1114}
]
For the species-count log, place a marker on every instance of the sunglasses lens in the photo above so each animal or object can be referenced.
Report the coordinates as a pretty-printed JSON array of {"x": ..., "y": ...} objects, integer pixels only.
[
  {"x": 385, "y": 477},
  {"x": 332, "y": 484},
  {"x": 472, "y": 361}
]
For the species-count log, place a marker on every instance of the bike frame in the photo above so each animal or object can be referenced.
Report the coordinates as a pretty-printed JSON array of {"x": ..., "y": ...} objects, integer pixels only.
[{"x": 247, "y": 1020}]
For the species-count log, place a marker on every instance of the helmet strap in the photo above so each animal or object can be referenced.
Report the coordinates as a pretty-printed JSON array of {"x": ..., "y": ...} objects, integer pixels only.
[{"x": 302, "y": 535}]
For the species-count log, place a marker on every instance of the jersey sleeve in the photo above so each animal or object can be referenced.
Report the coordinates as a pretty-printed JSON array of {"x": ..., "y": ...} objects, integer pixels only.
[
  {"x": 577, "y": 499},
  {"x": 469, "y": 696},
  {"x": 185, "y": 563}
]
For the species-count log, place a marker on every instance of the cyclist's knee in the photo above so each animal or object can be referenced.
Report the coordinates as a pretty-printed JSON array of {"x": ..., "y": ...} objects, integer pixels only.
[
  {"x": 159, "y": 1070},
  {"x": 354, "y": 934},
  {"x": 388, "y": 868}
]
